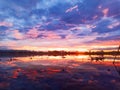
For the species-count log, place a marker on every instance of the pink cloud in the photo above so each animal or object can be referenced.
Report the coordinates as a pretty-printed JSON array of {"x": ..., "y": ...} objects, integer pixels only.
[
  {"x": 115, "y": 24},
  {"x": 71, "y": 9},
  {"x": 33, "y": 33},
  {"x": 94, "y": 17},
  {"x": 51, "y": 35},
  {"x": 105, "y": 12},
  {"x": 17, "y": 34},
  {"x": 6, "y": 24}
]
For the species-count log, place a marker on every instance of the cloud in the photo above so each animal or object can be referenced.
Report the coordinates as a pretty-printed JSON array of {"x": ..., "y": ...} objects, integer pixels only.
[
  {"x": 114, "y": 24},
  {"x": 15, "y": 34},
  {"x": 51, "y": 35},
  {"x": 105, "y": 12},
  {"x": 6, "y": 24},
  {"x": 72, "y": 8},
  {"x": 33, "y": 33}
]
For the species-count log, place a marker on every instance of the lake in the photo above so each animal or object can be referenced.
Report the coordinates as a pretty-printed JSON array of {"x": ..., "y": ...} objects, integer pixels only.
[{"x": 59, "y": 73}]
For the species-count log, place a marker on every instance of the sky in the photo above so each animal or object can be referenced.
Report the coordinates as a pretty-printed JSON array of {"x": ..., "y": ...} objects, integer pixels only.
[{"x": 59, "y": 24}]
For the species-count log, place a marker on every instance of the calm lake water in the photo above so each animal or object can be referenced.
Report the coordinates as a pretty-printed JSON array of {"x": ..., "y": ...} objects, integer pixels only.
[{"x": 59, "y": 73}]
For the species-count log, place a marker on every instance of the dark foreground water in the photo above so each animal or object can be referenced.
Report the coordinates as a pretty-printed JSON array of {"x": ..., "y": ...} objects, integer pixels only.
[{"x": 59, "y": 73}]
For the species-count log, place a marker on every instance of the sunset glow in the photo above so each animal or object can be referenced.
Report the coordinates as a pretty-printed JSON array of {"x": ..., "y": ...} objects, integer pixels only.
[
  {"x": 59, "y": 44},
  {"x": 59, "y": 25}
]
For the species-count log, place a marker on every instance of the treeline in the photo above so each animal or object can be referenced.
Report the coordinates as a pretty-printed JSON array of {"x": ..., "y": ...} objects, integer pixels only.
[
  {"x": 103, "y": 53},
  {"x": 21, "y": 53}
]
